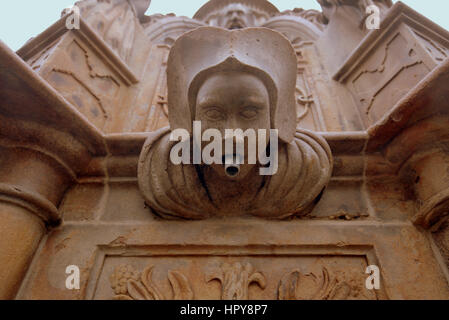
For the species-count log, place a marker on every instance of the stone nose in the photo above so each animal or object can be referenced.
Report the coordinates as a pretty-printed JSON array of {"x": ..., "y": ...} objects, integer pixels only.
[{"x": 232, "y": 123}]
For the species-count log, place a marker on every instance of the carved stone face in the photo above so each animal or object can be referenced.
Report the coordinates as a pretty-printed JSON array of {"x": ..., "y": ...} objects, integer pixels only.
[
  {"x": 236, "y": 16},
  {"x": 233, "y": 100}
]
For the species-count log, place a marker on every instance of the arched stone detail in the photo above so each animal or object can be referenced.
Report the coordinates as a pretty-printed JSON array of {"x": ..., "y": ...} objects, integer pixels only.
[
  {"x": 295, "y": 28},
  {"x": 166, "y": 29}
]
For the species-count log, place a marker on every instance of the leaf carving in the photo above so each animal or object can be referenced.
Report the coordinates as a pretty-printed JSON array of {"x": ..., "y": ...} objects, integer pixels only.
[
  {"x": 323, "y": 293},
  {"x": 235, "y": 280},
  {"x": 296, "y": 286},
  {"x": 341, "y": 292},
  {"x": 137, "y": 291},
  {"x": 258, "y": 278},
  {"x": 147, "y": 280},
  {"x": 180, "y": 285},
  {"x": 129, "y": 286},
  {"x": 288, "y": 285}
]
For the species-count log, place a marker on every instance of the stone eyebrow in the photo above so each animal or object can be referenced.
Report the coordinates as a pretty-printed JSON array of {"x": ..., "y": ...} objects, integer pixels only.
[
  {"x": 257, "y": 100},
  {"x": 211, "y": 101}
]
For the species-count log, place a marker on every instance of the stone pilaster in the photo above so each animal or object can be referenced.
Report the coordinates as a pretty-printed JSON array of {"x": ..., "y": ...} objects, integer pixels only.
[{"x": 31, "y": 186}]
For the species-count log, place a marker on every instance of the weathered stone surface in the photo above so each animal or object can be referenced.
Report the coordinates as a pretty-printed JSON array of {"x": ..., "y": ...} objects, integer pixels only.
[{"x": 85, "y": 177}]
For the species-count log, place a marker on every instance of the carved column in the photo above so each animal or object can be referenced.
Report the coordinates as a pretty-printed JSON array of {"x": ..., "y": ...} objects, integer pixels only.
[
  {"x": 431, "y": 186},
  {"x": 31, "y": 186},
  {"x": 430, "y": 180},
  {"x": 421, "y": 153}
]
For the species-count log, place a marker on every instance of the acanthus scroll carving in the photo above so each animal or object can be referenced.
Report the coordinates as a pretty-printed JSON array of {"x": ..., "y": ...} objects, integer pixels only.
[
  {"x": 235, "y": 280},
  {"x": 297, "y": 286},
  {"x": 128, "y": 284}
]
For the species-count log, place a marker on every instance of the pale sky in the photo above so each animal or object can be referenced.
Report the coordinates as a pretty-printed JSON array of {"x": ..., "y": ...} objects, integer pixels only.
[{"x": 23, "y": 19}]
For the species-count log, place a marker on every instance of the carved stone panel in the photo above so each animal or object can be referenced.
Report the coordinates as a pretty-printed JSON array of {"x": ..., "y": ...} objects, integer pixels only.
[
  {"x": 379, "y": 76},
  {"x": 308, "y": 109},
  {"x": 80, "y": 74},
  {"x": 232, "y": 273}
]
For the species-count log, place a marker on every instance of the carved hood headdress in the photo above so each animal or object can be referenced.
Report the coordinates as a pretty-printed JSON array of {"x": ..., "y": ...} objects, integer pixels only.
[{"x": 207, "y": 50}]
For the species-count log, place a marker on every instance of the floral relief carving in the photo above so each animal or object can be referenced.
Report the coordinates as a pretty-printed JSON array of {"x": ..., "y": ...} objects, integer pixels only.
[
  {"x": 236, "y": 279},
  {"x": 128, "y": 284},
  {"x": 297, "y": 286}
]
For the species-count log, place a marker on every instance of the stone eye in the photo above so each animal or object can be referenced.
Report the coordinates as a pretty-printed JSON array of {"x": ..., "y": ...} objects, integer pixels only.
[
  {"x": 249, "y": 113},
  {"x": 214, "y": 114}
]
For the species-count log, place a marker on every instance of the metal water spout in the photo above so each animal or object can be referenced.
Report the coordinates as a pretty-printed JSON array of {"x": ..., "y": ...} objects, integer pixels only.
[{"x": 232, "y": 164}]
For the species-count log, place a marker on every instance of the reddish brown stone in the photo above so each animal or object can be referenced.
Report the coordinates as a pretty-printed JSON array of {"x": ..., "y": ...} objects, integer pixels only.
[{"x": 81, "y": 111}]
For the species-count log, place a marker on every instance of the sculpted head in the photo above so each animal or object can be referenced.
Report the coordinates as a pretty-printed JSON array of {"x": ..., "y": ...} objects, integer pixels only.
[
  {"x": 233, "y": 80},
  {"x": 221, "y": 80},
  {"x": 235, "y": 14},
  {"x": 234, "y": 100},
  {"x": 329, "y": 7}
]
